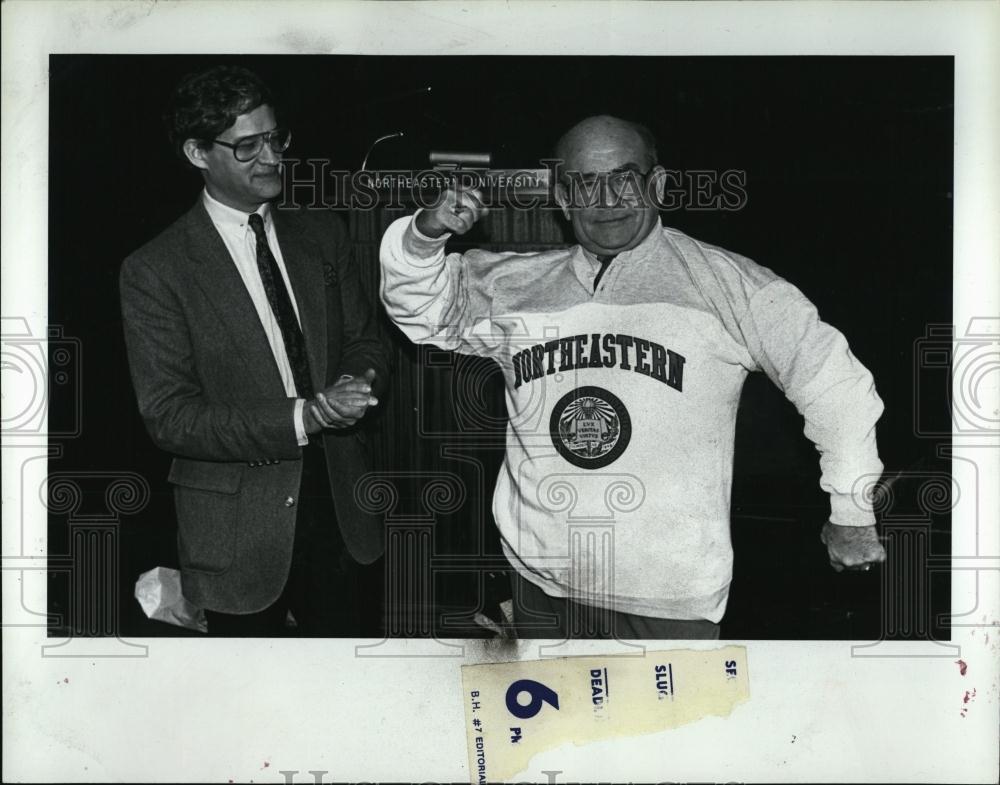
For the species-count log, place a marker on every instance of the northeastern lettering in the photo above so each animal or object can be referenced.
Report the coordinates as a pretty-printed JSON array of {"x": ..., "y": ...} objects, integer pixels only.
[{"x": 596, "y": 350}]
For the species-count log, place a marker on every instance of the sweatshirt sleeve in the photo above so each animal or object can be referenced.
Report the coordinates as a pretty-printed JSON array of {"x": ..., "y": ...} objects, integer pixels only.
[
  {"x": 812, "y": 364},
  {"x": 435, "y": 298}
]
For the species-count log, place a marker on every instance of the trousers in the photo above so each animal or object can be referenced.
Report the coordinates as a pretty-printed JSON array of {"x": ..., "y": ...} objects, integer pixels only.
[{"x": 538, "y": 615}]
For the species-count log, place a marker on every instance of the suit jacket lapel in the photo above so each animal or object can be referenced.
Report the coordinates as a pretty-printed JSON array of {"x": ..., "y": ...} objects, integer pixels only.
[
  {"x": 302, "y": 261},
  {"x": 221, "y": 282}
]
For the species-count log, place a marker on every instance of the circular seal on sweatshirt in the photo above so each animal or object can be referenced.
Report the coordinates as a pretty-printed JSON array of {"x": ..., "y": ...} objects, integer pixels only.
[{"x": 590, "y": 427}]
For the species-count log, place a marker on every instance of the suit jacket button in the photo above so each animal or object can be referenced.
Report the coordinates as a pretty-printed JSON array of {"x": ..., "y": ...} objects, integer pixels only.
[
  {"x": 250, "y": 463},
  {"x": 289, "y": 501}
]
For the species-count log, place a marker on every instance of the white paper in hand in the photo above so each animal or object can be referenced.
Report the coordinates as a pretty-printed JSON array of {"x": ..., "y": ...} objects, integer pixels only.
[{"x": 159, "y": 593}]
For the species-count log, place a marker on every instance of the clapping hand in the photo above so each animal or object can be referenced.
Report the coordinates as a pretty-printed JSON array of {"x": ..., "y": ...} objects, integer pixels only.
[{"x": 342, "y": 404}]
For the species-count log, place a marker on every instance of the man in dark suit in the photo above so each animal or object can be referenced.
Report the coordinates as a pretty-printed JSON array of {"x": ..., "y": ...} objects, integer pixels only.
[{"x": 254, "y": 355}]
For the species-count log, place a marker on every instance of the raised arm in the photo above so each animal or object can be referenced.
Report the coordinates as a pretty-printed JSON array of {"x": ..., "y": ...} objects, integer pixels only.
[{"x": 434, "y": 298}]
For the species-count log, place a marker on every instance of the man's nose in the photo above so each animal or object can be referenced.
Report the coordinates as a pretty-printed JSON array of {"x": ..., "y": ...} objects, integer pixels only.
[
  {"x": 267, "y": 156},
  {"x": 607, "y": 195}
]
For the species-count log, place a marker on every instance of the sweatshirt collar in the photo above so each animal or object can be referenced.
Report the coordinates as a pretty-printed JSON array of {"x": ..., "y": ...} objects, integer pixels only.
[{"x": 586, "y": 264}]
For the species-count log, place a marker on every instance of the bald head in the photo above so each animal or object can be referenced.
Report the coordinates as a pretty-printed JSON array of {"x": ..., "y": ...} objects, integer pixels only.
[
  {"x": 606, "y": 220},
  {"x": 605, "y": 135}
]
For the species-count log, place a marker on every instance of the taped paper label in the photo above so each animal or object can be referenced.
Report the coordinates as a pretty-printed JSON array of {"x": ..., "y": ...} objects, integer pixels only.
[{"x": 514, "y": 710}]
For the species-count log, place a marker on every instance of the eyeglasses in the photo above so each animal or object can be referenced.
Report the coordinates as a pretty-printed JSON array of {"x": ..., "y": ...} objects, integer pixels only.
[
  {"x": 624, "y": 184},
  {"x": 249, "y": 147}
]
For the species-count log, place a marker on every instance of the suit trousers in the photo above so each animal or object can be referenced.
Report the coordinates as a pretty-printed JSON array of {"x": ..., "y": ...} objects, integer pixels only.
[
  {"x": 324, "y": 583},
  {"x": 538, "y": 615}
]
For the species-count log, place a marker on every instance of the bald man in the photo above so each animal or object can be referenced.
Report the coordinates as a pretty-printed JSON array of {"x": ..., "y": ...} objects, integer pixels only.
[{"x": 624, "y": 357}]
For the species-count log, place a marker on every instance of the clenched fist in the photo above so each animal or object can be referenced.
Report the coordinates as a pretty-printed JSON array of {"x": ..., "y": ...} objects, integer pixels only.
[
  {"x": 457, "y": 213},
  {"x": 852, "y": 547}
]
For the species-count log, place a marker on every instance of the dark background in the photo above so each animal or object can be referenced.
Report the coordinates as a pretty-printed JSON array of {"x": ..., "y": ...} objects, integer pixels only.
[{"x": 849, "y": 179}]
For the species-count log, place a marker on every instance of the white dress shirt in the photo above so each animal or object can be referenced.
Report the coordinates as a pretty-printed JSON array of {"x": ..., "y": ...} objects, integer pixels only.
[{"x": 241, "y": 242}]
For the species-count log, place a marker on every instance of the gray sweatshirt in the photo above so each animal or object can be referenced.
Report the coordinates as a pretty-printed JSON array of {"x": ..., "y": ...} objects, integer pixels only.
[{"x": 615, "y": 486}]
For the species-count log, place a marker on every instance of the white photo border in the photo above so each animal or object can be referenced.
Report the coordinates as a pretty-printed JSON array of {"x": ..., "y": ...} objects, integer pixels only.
[{"x": 212, "y": 710}]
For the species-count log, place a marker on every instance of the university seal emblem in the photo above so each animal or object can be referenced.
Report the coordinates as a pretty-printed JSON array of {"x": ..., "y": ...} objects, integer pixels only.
[{"x": 590, "y": 427}]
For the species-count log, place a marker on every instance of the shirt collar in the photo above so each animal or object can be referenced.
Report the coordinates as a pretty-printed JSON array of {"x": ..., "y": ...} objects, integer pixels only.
[{"x": 229, "y": 219}]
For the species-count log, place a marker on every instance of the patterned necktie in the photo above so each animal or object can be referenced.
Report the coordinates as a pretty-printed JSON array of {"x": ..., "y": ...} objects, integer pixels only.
[{"x": 281, "y": 306}]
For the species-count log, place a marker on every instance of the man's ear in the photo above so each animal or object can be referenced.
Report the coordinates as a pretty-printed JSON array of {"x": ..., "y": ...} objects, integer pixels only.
[
  {"x": 195, "y": 153},
  {"x": 658, "y": 180},
  {"x": 562, "y": 199}
]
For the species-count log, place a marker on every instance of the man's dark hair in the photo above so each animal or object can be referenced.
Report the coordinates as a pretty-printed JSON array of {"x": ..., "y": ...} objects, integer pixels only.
[{"x": 206, "y": 103}]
